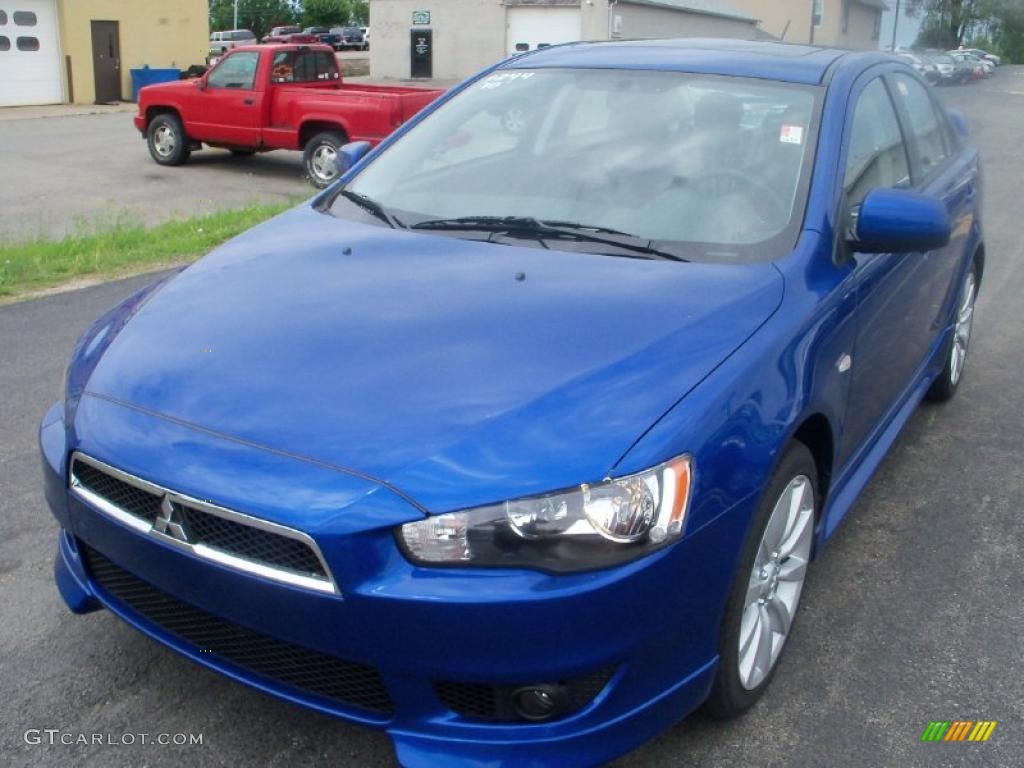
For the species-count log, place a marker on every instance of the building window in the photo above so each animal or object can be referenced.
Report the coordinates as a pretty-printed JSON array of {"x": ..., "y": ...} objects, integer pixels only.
[
  {"x": 3, "y": 18},
  {"x": 5, "y": 43},
  {"x": 28, "y": 43},
  {"x": 24, "y": 18}
]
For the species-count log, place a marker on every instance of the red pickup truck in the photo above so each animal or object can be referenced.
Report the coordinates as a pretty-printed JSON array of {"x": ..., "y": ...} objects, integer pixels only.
[{"x": 264, "y": 97}]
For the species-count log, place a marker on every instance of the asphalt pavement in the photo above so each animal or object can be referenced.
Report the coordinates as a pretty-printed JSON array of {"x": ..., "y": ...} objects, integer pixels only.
[
  {"x": 913, "y": 613},
  {"x": 67, "y": 174}
]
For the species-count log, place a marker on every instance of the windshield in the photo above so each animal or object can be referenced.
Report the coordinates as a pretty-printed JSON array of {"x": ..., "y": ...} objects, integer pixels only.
[{"x": 710, "y": 167}]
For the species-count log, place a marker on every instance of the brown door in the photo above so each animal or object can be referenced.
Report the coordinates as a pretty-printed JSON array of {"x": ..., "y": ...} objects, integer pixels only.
[{"x": 106, "y": 61}]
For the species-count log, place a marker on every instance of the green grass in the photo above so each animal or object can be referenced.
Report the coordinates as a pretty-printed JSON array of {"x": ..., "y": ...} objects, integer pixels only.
[{"x": 121, "y": 246}]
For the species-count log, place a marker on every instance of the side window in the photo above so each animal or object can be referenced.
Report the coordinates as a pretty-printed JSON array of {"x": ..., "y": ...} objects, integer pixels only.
[
  {"x": 235, "y": 71},
  {"x": 303, "y": 67},
  {"x": 926, "y": 124},
  {"x": 877, "y": 156}
]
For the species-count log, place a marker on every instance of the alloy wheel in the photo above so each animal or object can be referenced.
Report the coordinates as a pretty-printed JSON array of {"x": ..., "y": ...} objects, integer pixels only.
[
  {"x": 776, "y": 581},
  {"x": 962, "y": 329}
]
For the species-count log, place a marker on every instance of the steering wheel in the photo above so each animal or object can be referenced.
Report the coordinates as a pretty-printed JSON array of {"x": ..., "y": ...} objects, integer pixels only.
[{"x": 763, "y": 198}]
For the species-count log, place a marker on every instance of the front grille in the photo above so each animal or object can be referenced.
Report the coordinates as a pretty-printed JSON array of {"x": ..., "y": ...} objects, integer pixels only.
[
  {"x": 277, "y": 551},
  {"x": 346, "y": 682},
  {"x": 251, "y": 543},
  {"x": 481, "y": 701},
  {"x": 131, "y": 499}
]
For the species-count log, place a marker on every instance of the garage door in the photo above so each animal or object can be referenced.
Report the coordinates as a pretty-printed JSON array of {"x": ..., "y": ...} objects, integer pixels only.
[
  {"x": 531, "y": 28},
  {"x": 30, "y": 71}
]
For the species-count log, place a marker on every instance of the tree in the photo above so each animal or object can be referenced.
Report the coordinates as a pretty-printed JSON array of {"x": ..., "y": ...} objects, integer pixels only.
[
  {"x": 257, "y": 15},
  {"x": 324, "y": 13},
  {"x": 993, "y": 25},
  {"x": 947, "y": 22}
]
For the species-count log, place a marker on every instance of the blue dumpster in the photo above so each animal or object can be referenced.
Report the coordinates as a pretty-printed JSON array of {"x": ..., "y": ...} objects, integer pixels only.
[{"x": 147, "y": 76}]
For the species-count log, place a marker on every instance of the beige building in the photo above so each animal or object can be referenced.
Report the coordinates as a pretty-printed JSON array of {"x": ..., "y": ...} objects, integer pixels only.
[
  {"x": 452, "y": 39},
  {"x": 82, "y": 51},
  {"x": 841, "y": 23}
]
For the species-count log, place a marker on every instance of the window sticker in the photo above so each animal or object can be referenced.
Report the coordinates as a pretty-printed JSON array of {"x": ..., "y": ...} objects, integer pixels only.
[
  {"x": 499, "y": 79},
  {"x": 791, "y": 134}
]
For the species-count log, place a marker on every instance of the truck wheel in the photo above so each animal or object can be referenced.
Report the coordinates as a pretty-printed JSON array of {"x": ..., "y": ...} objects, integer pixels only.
[
  {"x": 320, "y": 157},
  {"x": 167, "y": 142}
]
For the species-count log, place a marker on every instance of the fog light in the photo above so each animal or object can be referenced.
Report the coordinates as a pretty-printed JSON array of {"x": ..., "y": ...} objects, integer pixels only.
[{"x": 540, "y": 702}]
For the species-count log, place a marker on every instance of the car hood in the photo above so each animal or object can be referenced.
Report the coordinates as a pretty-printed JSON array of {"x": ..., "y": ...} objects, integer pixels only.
[
  {"x": 459, "y": 372},
  {"x": 164, "y": 89}
]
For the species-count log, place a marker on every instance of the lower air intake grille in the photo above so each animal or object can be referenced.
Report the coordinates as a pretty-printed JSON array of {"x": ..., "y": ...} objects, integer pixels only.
[
  {"x": 481, "y": 701},
  {"x": 346, "y": 682}
]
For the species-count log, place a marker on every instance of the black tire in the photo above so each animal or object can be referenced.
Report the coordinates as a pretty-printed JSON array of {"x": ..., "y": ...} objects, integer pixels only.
[
  {"x": 313, "y": 156},
  {"x": 729, "y": 698},
  {"x": 168, "y": 144},
  {"x": 948, "y": 381},
  {"x": 243, "y": 152}
]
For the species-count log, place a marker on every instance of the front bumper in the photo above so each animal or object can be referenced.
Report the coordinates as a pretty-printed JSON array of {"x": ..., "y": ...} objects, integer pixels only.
[{"x": 654, "y": 622}]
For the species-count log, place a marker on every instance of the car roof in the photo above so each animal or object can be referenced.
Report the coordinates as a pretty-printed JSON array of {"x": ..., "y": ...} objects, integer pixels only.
[{"x": 787, "y": 62}]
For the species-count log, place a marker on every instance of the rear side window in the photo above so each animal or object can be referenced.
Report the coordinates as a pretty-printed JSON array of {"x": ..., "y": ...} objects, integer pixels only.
[
  {"x": 236, "y": 71},
  {"x": 877, "y": 156},
  {"x": 303, "y": 67},
  {"x": 926, "y": 125}
]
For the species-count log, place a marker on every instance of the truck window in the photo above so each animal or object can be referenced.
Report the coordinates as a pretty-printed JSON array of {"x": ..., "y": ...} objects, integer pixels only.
[
  {"x": 236, "y": 71},
  {"x": 303, "y": 67}
]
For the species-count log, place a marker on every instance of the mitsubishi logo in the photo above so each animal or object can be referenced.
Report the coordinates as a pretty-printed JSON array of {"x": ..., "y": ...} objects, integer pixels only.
[{"x": 170, "y": 521}]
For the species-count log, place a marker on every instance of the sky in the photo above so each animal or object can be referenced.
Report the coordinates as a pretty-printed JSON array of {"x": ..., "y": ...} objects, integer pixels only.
[{"x": 906, "y": 32}]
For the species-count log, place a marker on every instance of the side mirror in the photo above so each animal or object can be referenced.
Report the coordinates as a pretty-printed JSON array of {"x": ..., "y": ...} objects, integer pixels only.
[
  {"x": 959, "y": 120},
  {"x": 900, "y": 221},
  {"x": 350, "y": 154}
]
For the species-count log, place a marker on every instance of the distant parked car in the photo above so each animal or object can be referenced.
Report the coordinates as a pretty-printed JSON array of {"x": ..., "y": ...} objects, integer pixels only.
[
  {"x": 325, "y": 35},
  {"x": 291, "y": 35},
  {"x": 987, "y": 67},
  {"x": 353, "y": 38},
  {"x": 927, "y": 69},
  {"x": 222, "y": 42},
  {"x": 952, "y": 72},
  {"x": 978, "y": 70},
  {"x": 996, "y": 60}
]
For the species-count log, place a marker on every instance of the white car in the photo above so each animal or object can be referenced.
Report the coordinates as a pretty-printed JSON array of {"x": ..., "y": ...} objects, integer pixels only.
[
  {"x": 222, "y": 42},
  {"x": 984, "y": 55}
]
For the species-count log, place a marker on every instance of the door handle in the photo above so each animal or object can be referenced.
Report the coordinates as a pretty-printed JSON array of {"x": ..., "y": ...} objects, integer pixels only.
[{"x": 249, "y": 102}]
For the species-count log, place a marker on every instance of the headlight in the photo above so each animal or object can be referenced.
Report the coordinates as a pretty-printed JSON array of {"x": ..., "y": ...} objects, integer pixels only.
[{"x": 583, "y": 528}]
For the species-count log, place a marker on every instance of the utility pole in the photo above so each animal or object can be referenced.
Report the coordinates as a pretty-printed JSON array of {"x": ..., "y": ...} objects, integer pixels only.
[
  {"x": 895, "y": 25},
  {"x": 236, "y": 15}
]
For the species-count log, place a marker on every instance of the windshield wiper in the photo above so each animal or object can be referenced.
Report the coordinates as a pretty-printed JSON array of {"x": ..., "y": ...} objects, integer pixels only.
[
  {"x": 560, "y": 230},
  {"x": 371, "y": 205}
]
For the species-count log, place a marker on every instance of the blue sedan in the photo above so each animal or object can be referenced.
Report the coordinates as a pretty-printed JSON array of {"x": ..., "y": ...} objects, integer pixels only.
[{"x": 518, "y": 441}]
